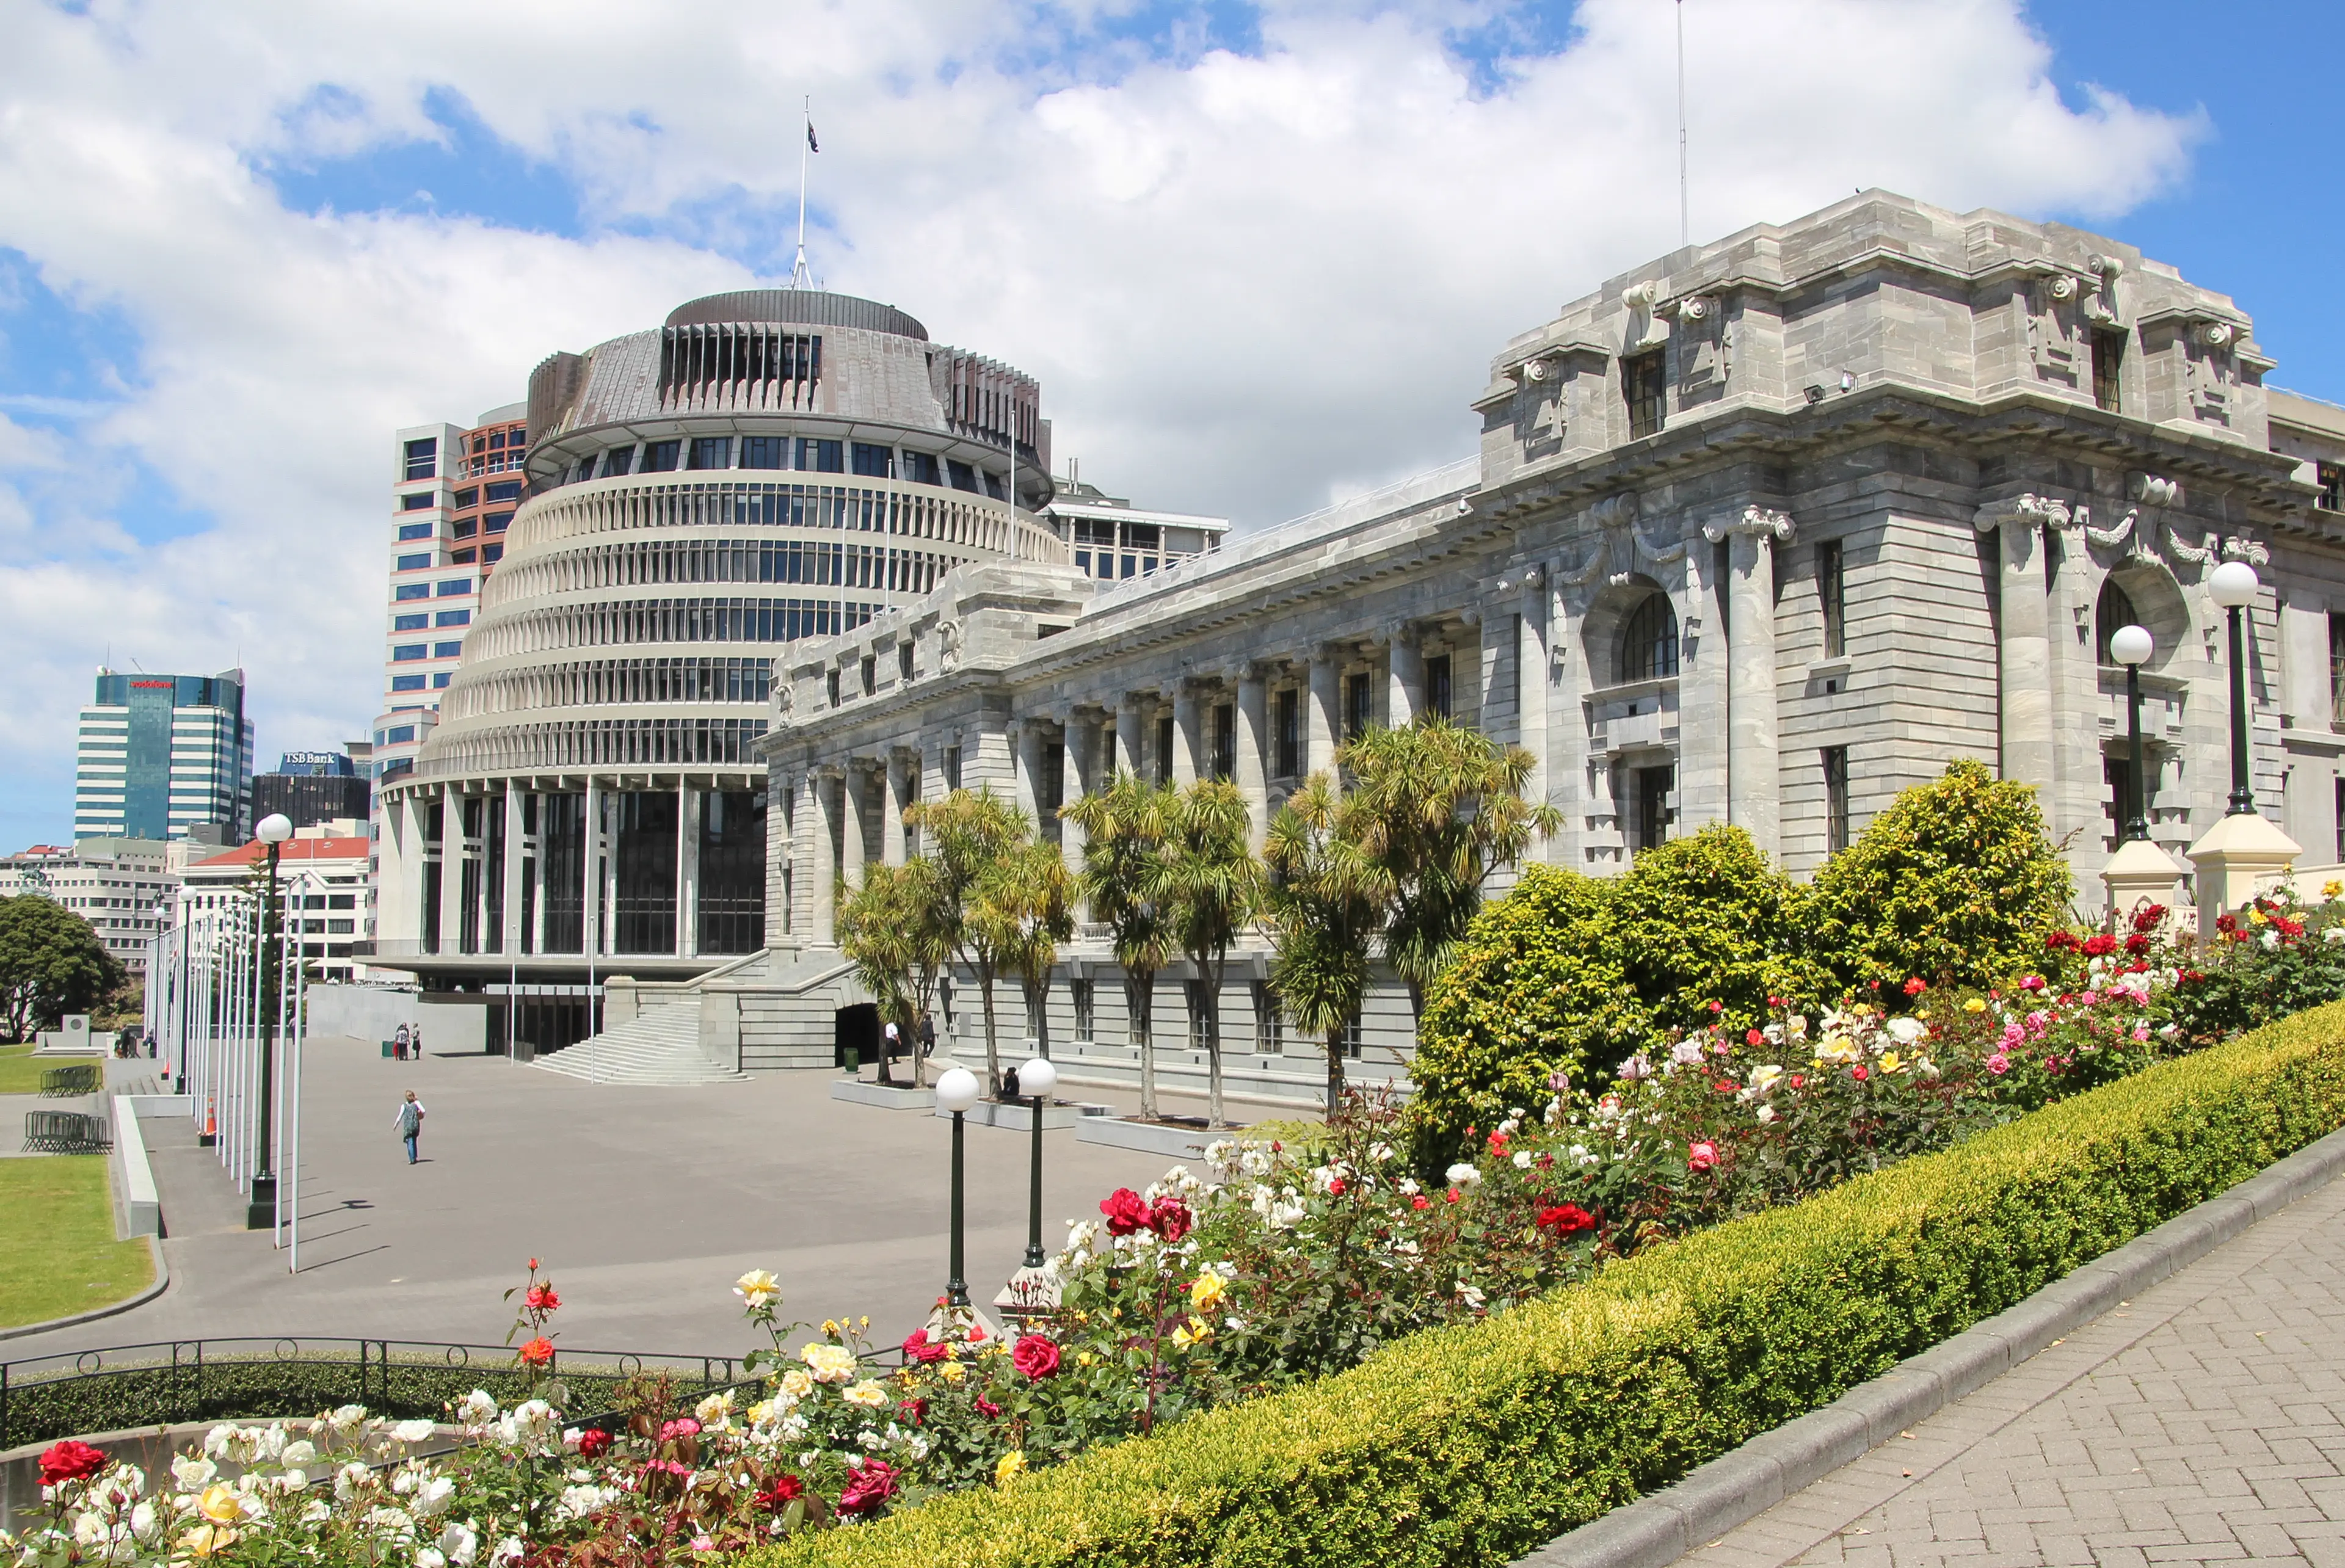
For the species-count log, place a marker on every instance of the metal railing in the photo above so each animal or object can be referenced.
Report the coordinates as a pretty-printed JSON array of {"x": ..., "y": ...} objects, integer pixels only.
[
  {"x": 57, "y": 1083},
  {"x": 66, "y": 1132},
  {"x": 171, "y": 1382}
]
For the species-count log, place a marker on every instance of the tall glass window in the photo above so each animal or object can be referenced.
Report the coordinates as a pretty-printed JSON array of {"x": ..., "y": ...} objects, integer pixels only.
[
  {"x": 2108, "y": 362},
  {"x": 618, "y": 460},
  {"x": 643, "y": 871},
  {"x": 763, "y": 452},
  {"x": 423, "y": 458},
  {"x": 1289, "y": 727},
  {"x": 2114, "y": 610},
  {"x": 561, "y": 851},
  {"x": 1831, "y": 595},
  {"x": 821, "y": 457},
  {"x": 660, "y": 456},
  {"x": 732, "y": 918},
  {"x": 1438, "y": 696},
  {"x": 1642, "y": 384},
  {"x": 712, "y": 451},
  {"x": 1835, "y": 799},
  {"x": 1225, "y": 742},
  {"x": 1648, "y": 641},
  {"x": 874, "y": 462}
]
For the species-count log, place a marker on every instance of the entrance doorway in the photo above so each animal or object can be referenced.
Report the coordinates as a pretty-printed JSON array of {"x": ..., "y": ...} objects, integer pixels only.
[{"x": 856, "y": 1028}]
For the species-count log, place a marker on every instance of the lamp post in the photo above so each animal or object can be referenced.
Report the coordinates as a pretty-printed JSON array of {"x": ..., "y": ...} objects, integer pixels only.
[
  {"x": 1036, "y": 1079},
  {"x": 2132, "y": 646},
  {"x": 2233, "y": 585},
  {"x": 957, "y": 1093},
  {"x": 261, "y": 1212}
]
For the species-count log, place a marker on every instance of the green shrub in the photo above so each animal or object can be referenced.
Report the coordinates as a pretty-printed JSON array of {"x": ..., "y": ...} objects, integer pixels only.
[
  {"x": 1954, "y": 883},
  {"x": 1574, "y": 973},
  {"x": 1473, "y": 1444}
]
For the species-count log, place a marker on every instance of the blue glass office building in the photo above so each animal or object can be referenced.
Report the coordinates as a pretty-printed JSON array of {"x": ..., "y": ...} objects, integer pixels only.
[{"x": 161, "y": 755}]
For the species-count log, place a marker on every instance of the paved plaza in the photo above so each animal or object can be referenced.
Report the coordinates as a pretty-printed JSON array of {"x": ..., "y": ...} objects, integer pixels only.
[
  {"x": 2203, "y": 1422},
  {"x": 644, "y": 1205}
]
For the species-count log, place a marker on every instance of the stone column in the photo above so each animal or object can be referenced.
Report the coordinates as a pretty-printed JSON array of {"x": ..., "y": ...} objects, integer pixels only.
[
  {"x": 688, "y": 803},
  {"x": 516, "y": 853},
  {"x": 854, "y": 785},
  {"x": 1753, "y": 762},
  {"x": 2024, "y": 656},
  {"x": 1080, "y": 776},
  {"x": 892, "y": 801},
  {"x": 1188, "y": 718},
  {"x": 1030, "y": 743},
  {"x": 826, "y": 791},
  {"x": 1531, "y": 685},
  {"x": 453, "y": 850},
  {"x": 1405, "y": 664},
  {"x": 589, "y": 913},
  {"x": 1253, "y": 737},
  {"x": 1323, "y": 722},
  {"x": 1129, "y": 725}
]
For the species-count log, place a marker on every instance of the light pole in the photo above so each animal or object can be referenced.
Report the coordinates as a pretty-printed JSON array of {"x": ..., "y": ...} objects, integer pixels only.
[
  {"x": 957, "y": 1093},
  {"x": 1036, "y": 1079},
  {"x": 2233, "y": 585},
  {"x": 261, "y": 1212},
  {"x": 2132, "y": 646}
]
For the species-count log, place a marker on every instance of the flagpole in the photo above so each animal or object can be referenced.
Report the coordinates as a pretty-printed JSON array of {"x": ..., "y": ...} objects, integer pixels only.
[{"x": 800, "y": 277}]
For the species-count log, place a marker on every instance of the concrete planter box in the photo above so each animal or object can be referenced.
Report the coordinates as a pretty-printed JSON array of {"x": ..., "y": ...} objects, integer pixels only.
[
  {"x": 1175, "y": 1142},
  {"x": 855, "y": 1091},
  {"x": 1017, "y": 1117}
]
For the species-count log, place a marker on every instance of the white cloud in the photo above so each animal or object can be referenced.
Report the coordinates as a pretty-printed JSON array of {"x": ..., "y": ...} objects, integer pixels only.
[{"x": 1247, "y": 282}]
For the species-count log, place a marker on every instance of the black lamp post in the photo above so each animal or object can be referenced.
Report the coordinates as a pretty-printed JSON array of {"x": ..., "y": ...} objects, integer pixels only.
[
  {"x": 1036, "y": 1079},
  {"x": 2132, "y": 646},
  {"x": 261, "y": 1212},
  {"x": 957, "y": 1093},
  {"x": 2233, "y": 585}
]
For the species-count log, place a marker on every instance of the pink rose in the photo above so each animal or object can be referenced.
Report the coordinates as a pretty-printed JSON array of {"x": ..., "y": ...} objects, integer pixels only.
[
  {"x": 1998, "y": 1064},
  {"x": 872, "y": 1484},
  {"x": 1701, "y": 1156},
  {"x": 1036, "y": 1356}
]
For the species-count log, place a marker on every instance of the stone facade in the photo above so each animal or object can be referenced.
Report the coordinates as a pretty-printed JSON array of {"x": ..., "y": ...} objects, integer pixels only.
[{"x": 1762, "y": 532}]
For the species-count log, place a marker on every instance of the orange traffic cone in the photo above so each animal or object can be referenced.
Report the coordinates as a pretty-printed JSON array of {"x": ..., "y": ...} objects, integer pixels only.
[{"x": 211, "y": 1128}]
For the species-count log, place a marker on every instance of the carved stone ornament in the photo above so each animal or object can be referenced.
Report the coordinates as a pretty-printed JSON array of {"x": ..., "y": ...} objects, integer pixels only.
[
  {"x": 2241, "y": 546},
  {"x": 948, "y": 637},
  {"x": 1642, "y": 295},
  {"x": 2214, "y": 334},
  {"x": 2195, "y": 555},
  {"x": 1597, "y": 557},
  {"x": 1659, "y": 555},
  {"x": 2101, "y": 303},
  {"x": 2151, "y": 490},
  {"x": 1755, "y": 521},
  {"x": 784, "y": 697},
  {"x": 2107, "y": 538},
  {"x": 2062, "y": 288},
  {"x": 1614, "y": 511},
  {"x": 2029, "y": 510}
]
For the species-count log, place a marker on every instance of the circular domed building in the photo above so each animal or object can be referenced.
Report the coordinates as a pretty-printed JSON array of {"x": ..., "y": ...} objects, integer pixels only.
[{"x": 766, "y": 466}]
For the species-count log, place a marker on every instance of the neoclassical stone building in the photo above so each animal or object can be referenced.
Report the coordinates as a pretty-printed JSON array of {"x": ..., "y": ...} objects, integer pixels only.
[{"x": 1762, "y": 532}]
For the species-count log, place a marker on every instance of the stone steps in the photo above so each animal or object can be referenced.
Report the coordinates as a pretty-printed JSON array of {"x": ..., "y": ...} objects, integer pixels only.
[{"x": 661, "y": 1047}]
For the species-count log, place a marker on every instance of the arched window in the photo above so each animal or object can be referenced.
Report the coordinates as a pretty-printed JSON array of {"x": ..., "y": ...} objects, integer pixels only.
[
  {"x": 1648, "y": 643},
  {"x": 2114, "y": 610}
]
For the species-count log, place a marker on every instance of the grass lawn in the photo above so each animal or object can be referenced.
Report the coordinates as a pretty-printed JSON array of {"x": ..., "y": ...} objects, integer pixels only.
[
  {"x": 19, "y": 1073},
  {"x": 58, "y": 1251}
]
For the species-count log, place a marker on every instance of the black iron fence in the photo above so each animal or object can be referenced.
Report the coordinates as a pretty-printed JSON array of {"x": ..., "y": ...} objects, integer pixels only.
[
  {"x": 127, "y": 1387},
  {"x": 66, "y": 1132},
  {"x": 79, "y": 1079}
]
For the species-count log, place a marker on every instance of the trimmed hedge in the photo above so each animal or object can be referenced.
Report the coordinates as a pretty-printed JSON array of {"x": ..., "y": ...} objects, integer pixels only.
[{"x": 1474, "y": 1444}]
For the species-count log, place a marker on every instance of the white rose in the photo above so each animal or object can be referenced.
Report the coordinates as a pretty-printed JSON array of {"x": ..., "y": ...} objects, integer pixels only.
[
  {"x": 300, "y": 1452},
  {"x": 1906, "y": 1031},
  {"x": 1522, "y": 1159},
  {"x": 459, "y": 1544},
  {"x": 1462, "y": 1175},
  {"x": 412, "y": 1431}
]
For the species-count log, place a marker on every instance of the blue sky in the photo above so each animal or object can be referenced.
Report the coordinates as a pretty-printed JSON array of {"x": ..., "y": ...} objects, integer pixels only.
[{"x": 240, "y": 244}]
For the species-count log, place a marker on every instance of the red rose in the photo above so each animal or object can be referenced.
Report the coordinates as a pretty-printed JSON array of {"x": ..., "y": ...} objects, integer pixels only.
[
  {"x": 1718, "y": 1007},
  {"x": 2227, "y": 923},
  {"x": 2147, "y": 916},
  {"x": 1420, "y": 1201},
  {"x": 914, "y": 1411},
  {"x": 1497, "y": 1146},
  {"x": 1701, "y": 1156},
  {"x": 977, "y": 1333},
  {"x": 986, "y": 1408},
  {"x": 1036, "y": 1356},
  {"x": 2136, "y": 943},
  {"x": 594, "y": 1443},
  {"x": 1451, "y": 1195},
  {"x": 872, "y": 1484},
  {"x": 1335, "y": 1186},
  {"x": 1169, "y": 1218},
  {"x": 541, "y": 1298},
  {"x": 1859, "y": 1072},
  {"x": 682, "y": 1426},
  {"x": 1914, "y": 987},
  {"x": 72, "y": 1461},
  {"x": 538, "y": 1352},
  {"x": 1726, "y": 1086},
  {"x": 1566, "y": 1218},
  {"x": 919, "y": 1348},
  {"x": 1796, "y": 1079},
  {"x": 1125, "y": 1211},
  {"x": 1777, "y": 1002},
  {"x": 2100, "y": 946},
  {"x": 780, "y": 1491},
  {"x": 1755, "y": 1037}
]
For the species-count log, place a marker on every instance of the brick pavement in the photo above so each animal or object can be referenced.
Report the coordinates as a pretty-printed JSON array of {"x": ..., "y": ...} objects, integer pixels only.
[{"x": 2203, "y": 1422}]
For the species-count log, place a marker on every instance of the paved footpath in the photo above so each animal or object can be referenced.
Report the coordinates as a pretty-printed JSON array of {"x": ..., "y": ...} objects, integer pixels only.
[{"x": 2203, "y": 1422}]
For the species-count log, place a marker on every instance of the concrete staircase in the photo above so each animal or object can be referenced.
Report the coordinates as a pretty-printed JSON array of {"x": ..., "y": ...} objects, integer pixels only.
[{"x": 660, "y": 1046}]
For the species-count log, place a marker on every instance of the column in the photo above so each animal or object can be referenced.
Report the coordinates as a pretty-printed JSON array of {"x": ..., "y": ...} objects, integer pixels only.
[
  {"x": 1405, "y": 664},
  {"x": 453, "y": 850},
  {"x": 1253, "y": 736},
  {"x": 853, "y": 786},
  {"x": 2024, "y": 656},
  {"x": 825, "y": 788},
  {"x": 891, "y": 809},
  {"x": 1188, "y": 718},
  {"x": 1131, "y": 721},
  {"x": 1753, "y": 764},
  {"x": 591, "y": 831},
  {"x": 688, "y": 869},
  {"x": 1030, "y": 771},
  {"x": 1081, "y": 776},
  {"x": 1531, "y": 686},
  {"x": 516, "y": 852},
  {"x": 1322, "y": 721}
]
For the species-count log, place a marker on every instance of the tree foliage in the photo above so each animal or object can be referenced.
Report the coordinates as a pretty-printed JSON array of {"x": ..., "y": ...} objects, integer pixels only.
[
  {"x": 1325, "y": 905},
  {"x": 1209, "y": 886},
  {"x": 896, "y": 930},
  {"x": 1125, "y": 826},
  {"x": 52, "y": 963}
]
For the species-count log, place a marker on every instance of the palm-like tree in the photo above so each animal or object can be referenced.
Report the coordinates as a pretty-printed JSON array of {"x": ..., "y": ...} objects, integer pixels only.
[
  {"x": 968, "y": 834},
  {"x": 1211, "y": 887},
  {"x": 1023, "y": 909},
  {"x": 1436, "y": 808},
  {"x": 1125, "y": 828},
  {"x": 893, "y": 930},
  {"x": 1326, "y": 903}
]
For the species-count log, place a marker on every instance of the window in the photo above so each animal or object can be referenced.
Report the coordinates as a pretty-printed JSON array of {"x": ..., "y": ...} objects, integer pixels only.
[
  {"x": 467, "y": 528},
  {"x": 960, "y": 475},
  {"x": 398, "y": 734},
  {"x": 496, "y": 442},
  {"x": 466, "y": 498},
  {"x": 2112, "y": 610},
  {"x": 414, "y": 563},
  {"x": 711, "y": 452},
  {"x": 2332, "y": 479},
  {"x": 455, "y": 587},
  {"x": 869, "y": 674},
  {"x": 497, "y": 522},
  {"x": 1354, "y": 1031},
  {"x": 1225, "y": 742},
  {"x": 408, "y": 531},
  {"x": 830, "y": 687},
  {"x": 873, "y": 463},
  {"x": 617, "y": 462},
  {"x": 2117, "y": 774},
  {"x": 1269, "y": 1028},
  {"x": 659, "y": 456},
  {"x": 491, "y": 553},
  {"x": 2336, "y": 671},
  {"x": 403, "y": 651},
  {"x": 1359, "y": 706},
  {"x": 1835, "y": 799},
  {"x": 451, "y": 618},
  {"x": 923, "y": 466},
  {"x": 440, "y": 681},
  {"x": 1832, "y": 598},
  {"x": 1164, "y": 739},
  {"x": 409, "y": 623},
  {"x": 1650, "y": 829},
  {"x": 951, "y": 762},
  {"x": 1648, "y": 641},
  {"x": 406, "y": 683},
  {"x": 447, "y": 650},
  {"x": 423, "y": 458},
  {"x": 411, "y": 591},
  {"x": 2108, "y": 357},
  {"x": 1194, "y": 991},
  {"x": 763, "y": 451},
  {"x": 1286, "y": 725},
  {"x": 1080, "y": 993},
  {"x": 1641, "y": 384},
  {"x": 1437, "y": 685},
  {"x": 2340, "y": 819},
  {"x": 903, "y": 660},
  {"x": 460, "y": 557},
  {"x": 416, "y": 501},
  {"x": 503, "y": 489},
  {"x": 821, "y": 457}
]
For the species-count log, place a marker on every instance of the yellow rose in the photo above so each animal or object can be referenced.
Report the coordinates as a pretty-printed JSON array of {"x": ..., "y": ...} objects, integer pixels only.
[
  {"x": 1892, "y": 1063},
  {"x": 220, "y": 1503},
  {"x": 757, "y": 1288},
  {"x": 1976, "y": 1005},
  {"x": 1207, "y": 1292},
  {"x": 2256, "y": 917},
  {"x": 868, "y": 1395},
  {"x": 797, "y": 1382},
  {"x": 1181, "y": 1338},
  {"x": 1084, "y": 1358},
  {"x": 830, "y": 1327},
  {"x": 2333, "y": 888},
  {"x": 952, "y": 1372},
  {"x": 206, "y": 1538},
  {"x": 1011, "y": 1464}
]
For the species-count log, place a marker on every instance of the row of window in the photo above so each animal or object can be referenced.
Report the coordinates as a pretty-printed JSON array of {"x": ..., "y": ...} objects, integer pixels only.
[
  {"x": 607, "y": 742},
  {"x": 416, "y": 622},
  {"x": 404, "y": 653},
  {"x": 807, "y": 454},
  {"x": 618, "y": 680},
  {"x": 673, "y": 620},
  {"x": 734, "y": 505},
  {"x": 416, "y": 683},
  {"x": 661, "y": 561},
  {"x": 448, "y": 587}
]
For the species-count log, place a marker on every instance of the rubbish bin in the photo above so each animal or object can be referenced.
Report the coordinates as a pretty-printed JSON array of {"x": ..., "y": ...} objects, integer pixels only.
[{"x": 386, "y": 1050}]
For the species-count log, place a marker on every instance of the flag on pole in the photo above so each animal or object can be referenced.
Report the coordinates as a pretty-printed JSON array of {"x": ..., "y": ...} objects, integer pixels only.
[{"x": 812, "y": 146}]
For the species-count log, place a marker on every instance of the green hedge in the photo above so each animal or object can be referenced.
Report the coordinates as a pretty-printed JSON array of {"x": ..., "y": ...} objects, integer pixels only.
[{"x": 1474, "y": 1444}]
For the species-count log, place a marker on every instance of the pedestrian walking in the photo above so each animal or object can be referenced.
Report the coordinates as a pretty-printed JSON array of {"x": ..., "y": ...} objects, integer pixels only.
[
  {"x": 927, "y": 1036},
  {"x": 409, "y": 1123},
  {"x": 399, "y": 1043},
  {"x": 415, "y": 1044}
]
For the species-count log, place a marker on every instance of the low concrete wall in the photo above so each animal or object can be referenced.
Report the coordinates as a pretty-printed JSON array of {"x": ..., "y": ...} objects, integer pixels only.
[
  {"x": 137, "y": 1206},
  {"x": 375, "y": 1012}
]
